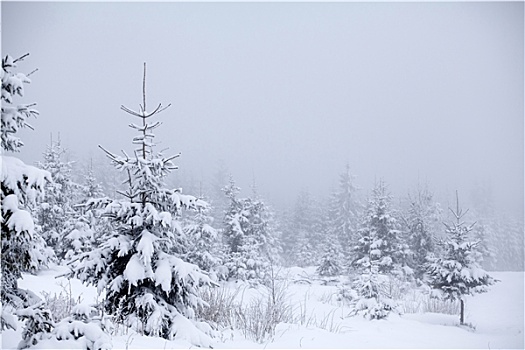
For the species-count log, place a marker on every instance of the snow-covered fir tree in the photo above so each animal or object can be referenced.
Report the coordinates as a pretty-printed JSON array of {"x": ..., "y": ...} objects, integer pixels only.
[
  {"x": 308, "y": 228},
  {"x": 331, "y": 262},
  {"x": 346, "y": 210},
  {"x": 284, "y": 219},
  {"x": 203, "y": 248},
  {"x": 14, "y": 116},
  {"x": 146, "y": 286},
  {"x": 507, "y": 240},
  {"x": 249, "y": 237},
  {"x": 485, "y": 230},
  {"x": 85, "y": 229},
  {"x": 380, "y": 235},
  {"x": 82, "y": 330},
  {"x": 379, "y": 256},
  {"x": 219, "y": 202},
  {"x": 55, "y": 213},
  {"x": 373, "y": 301},
  {"x": 263, "y": 226},
  {"x": 91, "y": 188},
  {"x": 419, "y": 224},
  {"x": 233, "y": 233},
  {"x": 23, "y": 249},
  {"x": 485, "y": 254},
  {"x": 332, "y": 259},
  {"x": 457, "y": 273}
]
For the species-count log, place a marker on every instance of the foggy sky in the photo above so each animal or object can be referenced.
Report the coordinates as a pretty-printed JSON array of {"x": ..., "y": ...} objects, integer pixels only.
[{"x": 288, "y": 92}]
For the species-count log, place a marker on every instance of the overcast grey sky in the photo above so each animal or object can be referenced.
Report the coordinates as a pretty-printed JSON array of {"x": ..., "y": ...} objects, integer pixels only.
[{"x": 290, "y": 92}]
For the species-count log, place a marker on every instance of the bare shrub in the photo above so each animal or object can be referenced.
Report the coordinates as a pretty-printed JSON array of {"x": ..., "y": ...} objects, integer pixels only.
[
  {"x": 256, "y": 320},
  {"x": 61, "y": 304},
  {"x": 420, "y": 300},
  {"x": 221, "y": 308},
  {"x": 259, "y": 318}
]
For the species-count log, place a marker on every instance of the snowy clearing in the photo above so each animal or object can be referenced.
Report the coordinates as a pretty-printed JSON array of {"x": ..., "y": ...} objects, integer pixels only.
[{"x": 321, "y": 321}]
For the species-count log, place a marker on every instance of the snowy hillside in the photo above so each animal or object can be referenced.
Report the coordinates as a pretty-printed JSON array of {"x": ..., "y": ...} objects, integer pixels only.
[{"x": 319, "y": 320}]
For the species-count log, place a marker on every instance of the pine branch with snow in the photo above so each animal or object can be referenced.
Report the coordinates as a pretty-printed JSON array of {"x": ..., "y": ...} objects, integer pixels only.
[{"x": 14, "y": 116}]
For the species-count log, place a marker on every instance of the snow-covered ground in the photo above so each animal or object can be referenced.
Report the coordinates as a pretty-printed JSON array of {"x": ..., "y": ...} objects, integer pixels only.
[{"x": 320, "y": 320}]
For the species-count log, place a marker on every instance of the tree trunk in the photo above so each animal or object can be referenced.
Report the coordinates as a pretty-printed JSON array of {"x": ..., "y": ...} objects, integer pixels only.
[{"x": 462, "y": 315}]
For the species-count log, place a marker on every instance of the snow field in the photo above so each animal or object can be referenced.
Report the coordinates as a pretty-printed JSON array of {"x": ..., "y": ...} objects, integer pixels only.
[{"x": 315, "y": 318}]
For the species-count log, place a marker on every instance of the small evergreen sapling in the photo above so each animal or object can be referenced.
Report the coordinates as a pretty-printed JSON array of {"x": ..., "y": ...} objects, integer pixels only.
[
  {"x": 83, "y": 329},
  {"x": 202, "y": 244},
  {"x": 330, "y": 265},
  {"x": 147, "y": 286},
  {"x": 370, "y": 283},
  {"x": 249, "y": 237},
  {"x": 457, "y": 273},
  {"x": 379, "y": 253}
]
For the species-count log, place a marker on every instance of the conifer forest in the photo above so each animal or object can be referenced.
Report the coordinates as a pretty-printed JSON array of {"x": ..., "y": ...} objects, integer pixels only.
[{"x": 253, "y": 175}]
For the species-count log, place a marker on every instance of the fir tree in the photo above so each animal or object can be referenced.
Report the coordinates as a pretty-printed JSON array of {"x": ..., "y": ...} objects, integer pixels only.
[
  {"x": 241, "y": 249},
  {"x": 419, "y": 225},
  {"x": 23, "y": 249},
  {"x": 287, "y": 240},
  {"x": 331, "y": 261},
  {"x": 457, "y": 273},
  {"x": 330, "y": 264},
  {"x": 219, "y": 202},
  {"x": 307, "y": 231},
  {"x": 346, "y": 210},
  {"x": 484, "y": 231},
  {"x": 91, "y": 187},
  {"x": 84, "y": 231},
  {"x": 263, "y": 228},
  {"x": 83, "y": 329},
  {"x": 379, "y": 235},
  {"x": 203, "y": 243},
  {"x": 250, "y": 243},
  {"x": 373, "y": 301},
  {"x": 55, "y": 215},
  {"x": 507, "y": 241},
  {"x": 146, "y": 285}
]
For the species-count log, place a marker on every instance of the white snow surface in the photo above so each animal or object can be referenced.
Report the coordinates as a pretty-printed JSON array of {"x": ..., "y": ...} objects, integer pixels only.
[{"x": 496, "y": 319}]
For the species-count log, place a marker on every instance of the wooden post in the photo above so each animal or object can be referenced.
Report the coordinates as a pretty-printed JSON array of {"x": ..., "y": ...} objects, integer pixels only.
[{"x": 462, "y": 317}]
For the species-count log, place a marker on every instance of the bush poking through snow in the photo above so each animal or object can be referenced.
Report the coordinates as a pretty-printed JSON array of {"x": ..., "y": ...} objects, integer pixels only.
[
  {"x": 256, "y": 319},
  {"x": 60, "y": 304}
]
